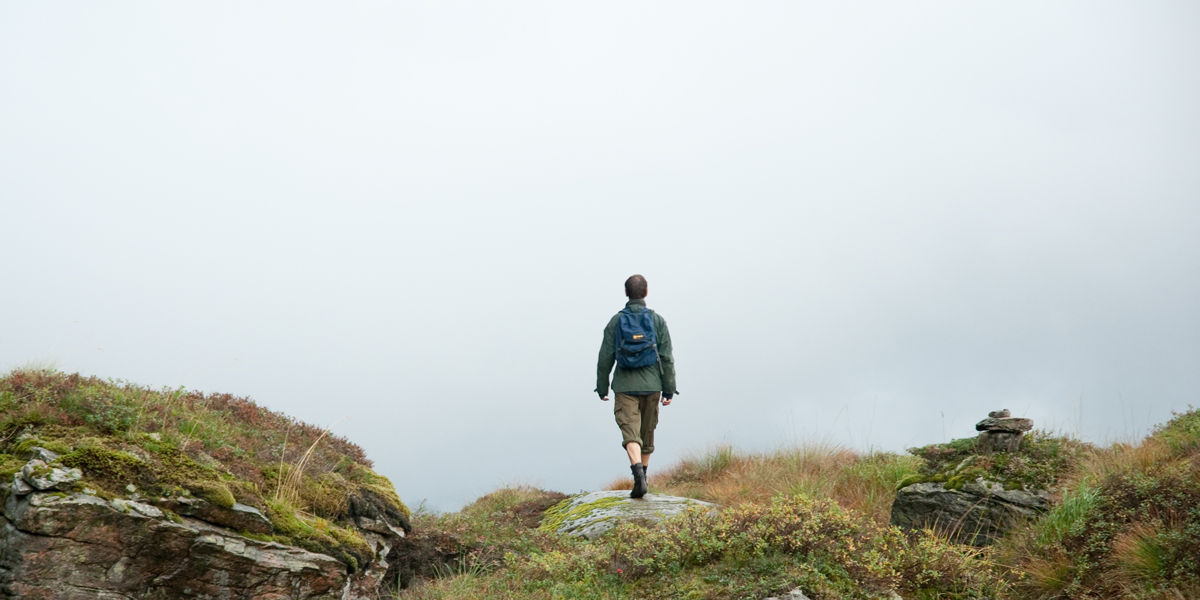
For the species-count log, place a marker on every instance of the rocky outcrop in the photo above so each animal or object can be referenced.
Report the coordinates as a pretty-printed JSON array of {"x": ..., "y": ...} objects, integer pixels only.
[
  {"x": 974, "y": 512},
  {"x": 977, "y": 514},
  {"x": 57, "y": 542},
  {"x": 590, "y": 515}
]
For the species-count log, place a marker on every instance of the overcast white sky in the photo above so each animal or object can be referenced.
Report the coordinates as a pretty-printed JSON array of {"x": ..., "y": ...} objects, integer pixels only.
[{"x": 869, "y": 223}]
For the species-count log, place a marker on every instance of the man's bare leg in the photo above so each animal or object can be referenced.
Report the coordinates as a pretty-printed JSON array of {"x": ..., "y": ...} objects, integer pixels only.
[
  {"x": 645, "y": 460},
  {"x": 634, "y": 450}
]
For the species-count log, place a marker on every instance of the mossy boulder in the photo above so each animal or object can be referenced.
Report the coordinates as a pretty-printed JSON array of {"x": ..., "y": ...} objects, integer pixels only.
[
  {"x": 975, "y": 513},
  {"x": 973, "y": 494},
  {"x": 592, "y": 514}
]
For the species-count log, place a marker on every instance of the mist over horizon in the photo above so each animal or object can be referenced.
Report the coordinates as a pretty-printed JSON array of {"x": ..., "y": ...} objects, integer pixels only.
[{"x": 866, "y": 224}]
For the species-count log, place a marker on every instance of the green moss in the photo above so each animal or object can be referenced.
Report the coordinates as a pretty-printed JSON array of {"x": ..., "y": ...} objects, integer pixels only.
[
  {"x": 111, "y": 466},
  {"x": 318, "y": 535},
  {"x": 172, "y": 516},
  {"x": 9, "y": 465},
  {"x": 283, "y": 517},
  {"x": 350, "y": 538},
  {"x": 1039, "y": 463},
  {"x": 25, "y": 447},
  {"x": 381, "y": 486},
  {"x": 560, "y": 513},
  {"x": 213, "y": 491}
]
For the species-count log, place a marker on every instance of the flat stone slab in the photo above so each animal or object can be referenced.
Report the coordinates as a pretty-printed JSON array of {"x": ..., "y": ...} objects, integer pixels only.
[
  {"x": 590, "y": 515},
  {"x": 1011, "y": 424}
]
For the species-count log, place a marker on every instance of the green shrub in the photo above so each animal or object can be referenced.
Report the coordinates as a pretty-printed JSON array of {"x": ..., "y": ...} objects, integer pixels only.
[
  {"x": 757, "y": 550},
  {"x": 1182, "y": 432}
]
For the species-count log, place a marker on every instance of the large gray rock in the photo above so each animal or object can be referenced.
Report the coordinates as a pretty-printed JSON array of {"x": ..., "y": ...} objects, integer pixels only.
[
  {"x": 977, "y": 514},
  {"x": 590, "y": 515},
  {"x": 998, "y": 441},
  {"x": 41, "y": 476},
  {"x": 76, "y": 546}
]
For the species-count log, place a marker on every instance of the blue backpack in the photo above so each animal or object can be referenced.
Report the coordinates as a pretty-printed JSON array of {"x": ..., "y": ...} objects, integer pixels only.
[{"x": 637, "y": 344}]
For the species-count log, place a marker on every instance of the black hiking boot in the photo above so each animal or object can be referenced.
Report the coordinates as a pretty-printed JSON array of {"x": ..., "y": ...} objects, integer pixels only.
[{"x": 639, "y": 481}]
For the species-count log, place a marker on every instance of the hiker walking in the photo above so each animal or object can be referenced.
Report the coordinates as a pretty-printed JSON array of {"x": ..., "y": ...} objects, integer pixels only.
[{"x": 637, "y": 340}]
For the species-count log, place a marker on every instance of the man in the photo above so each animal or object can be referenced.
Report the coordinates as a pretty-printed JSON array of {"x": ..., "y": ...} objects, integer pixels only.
[{"x": 637, "y": 340}]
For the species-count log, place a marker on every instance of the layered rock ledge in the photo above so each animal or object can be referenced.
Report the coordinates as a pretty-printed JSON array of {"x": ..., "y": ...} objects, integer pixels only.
[
  {"x": 977, "y": 514},
  {"x": 76, "y": 546}
]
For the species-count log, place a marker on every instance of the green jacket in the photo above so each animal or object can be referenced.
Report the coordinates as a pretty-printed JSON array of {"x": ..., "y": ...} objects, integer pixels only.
[{"x": 644, "y": 379}]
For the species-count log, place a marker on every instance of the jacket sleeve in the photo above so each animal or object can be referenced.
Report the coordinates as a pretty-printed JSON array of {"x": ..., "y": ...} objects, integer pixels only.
[
  {"x": 608, "y": 356},
  {"x": 665, "y": 355}
]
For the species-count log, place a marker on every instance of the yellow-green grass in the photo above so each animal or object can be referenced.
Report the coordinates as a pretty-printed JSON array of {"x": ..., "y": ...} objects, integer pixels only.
[{"x": 861, "y": 481}]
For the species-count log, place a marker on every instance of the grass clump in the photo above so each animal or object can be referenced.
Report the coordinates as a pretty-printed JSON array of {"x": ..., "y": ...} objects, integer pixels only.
[
  {"x": 218, "y": 447},
  {"x": 1128, "y": 524}
]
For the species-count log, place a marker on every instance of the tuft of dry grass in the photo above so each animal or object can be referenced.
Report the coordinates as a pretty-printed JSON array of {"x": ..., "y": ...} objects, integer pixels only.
[
  {"x": 865, "y": 482},
  {"x": 623, "y": 483}
]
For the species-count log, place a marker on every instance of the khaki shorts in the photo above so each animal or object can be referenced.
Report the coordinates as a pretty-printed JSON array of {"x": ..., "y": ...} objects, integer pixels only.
[{"x": 637, "y": 416}]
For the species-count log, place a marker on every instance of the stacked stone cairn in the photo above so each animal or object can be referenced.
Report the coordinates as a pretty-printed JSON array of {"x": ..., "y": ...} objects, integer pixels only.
[
  {"x": 976, "y": 512},
  {"x": 1001, "y": 432}
]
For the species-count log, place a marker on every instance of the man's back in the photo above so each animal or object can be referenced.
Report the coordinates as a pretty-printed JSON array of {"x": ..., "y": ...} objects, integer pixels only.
[{"x": 642, "y": 379}]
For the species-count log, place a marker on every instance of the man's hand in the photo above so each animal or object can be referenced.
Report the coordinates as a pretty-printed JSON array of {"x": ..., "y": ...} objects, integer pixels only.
[
  {"x": 666, "y": 401},
  {"x": 604, "y": 398}
]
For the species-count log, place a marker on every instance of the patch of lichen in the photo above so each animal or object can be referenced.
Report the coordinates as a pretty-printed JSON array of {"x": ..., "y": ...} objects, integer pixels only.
[
  {"x": 1041, "y": 461},
  {"x": 560, "y": 513}
]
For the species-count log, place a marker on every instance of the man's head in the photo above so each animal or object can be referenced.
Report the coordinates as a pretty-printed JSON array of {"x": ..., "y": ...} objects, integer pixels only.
[{"x": 635, "y": 287}]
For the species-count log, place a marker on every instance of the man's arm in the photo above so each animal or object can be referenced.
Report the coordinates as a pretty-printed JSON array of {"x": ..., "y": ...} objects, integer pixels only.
[
  {"x": 666, "y": 356},
  {"x": 608, "y": 356}
]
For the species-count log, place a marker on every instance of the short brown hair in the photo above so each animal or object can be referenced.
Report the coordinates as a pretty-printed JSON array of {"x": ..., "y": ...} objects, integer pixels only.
[{"x": 635, "y": 287}]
